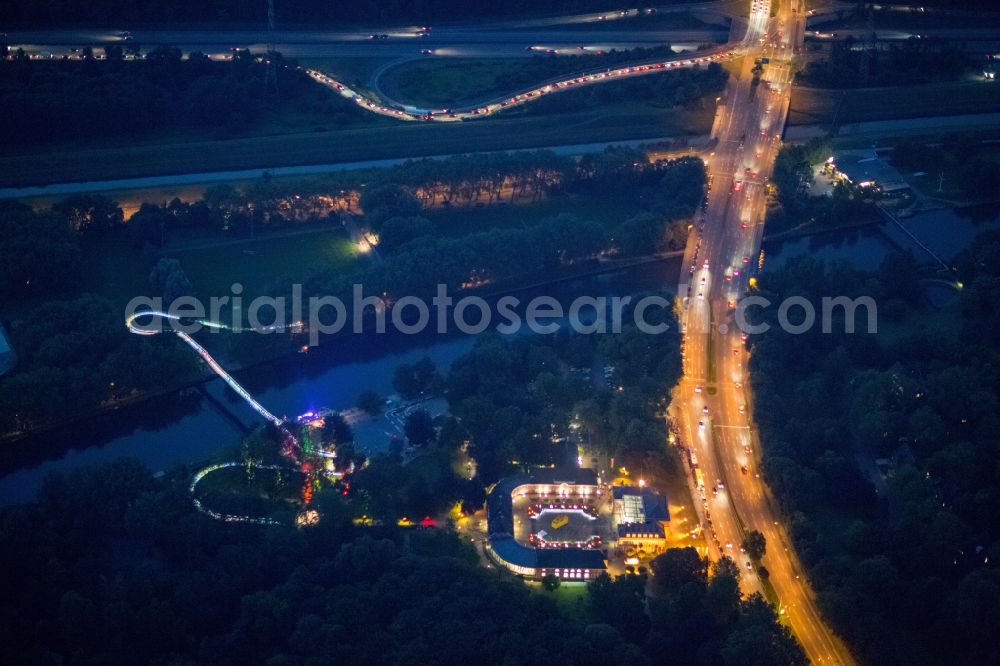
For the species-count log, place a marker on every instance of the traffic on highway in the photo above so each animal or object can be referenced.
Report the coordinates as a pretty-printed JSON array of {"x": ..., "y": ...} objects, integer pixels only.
[{"x": 712, "y": 403}]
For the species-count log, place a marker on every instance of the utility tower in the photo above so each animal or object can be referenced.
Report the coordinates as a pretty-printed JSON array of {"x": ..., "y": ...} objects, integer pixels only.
[{"x": 271, "y": 67}]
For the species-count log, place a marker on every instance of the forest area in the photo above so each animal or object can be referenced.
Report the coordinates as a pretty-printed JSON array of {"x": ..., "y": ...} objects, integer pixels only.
[
  {"x": 41, "y": 258},
  {"x": 903, "y": 559},
  {"x": 113, "y": 565}
]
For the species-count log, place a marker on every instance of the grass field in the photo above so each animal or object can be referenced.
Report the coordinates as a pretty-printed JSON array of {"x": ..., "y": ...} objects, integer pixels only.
[
  {"x": 886, "y": 19},
  {"x": 571, "y": 597},
  {"x": 355, "y": 72},
  {"x": 943, "y": 323},
  {"x": 813, "y": 105},
  {"x": 453, "y": 81},
  {"x": 398, "y": 139},
  {"x": 436, "y": 82},
  {"x": 260, "y": 264},
  {"x": 116, "y": 269}
]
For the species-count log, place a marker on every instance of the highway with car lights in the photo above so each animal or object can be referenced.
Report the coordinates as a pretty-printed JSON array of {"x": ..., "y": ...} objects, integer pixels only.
[
  {"x": 712, "y": 404},
  {"x": 491, "y": 106}
]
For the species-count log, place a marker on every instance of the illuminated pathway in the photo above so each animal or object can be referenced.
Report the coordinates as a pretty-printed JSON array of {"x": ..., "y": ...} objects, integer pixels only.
[
  {"x": 228, "y": 517},
  {"x": 291, "y": 448},
  {"x": 205, "y": 356}
]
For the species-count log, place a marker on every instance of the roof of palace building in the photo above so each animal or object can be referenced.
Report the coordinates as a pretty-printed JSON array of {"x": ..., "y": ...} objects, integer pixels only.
[
  {"x": 500, "y": 523},
  {"x": 641, "y": 505}
]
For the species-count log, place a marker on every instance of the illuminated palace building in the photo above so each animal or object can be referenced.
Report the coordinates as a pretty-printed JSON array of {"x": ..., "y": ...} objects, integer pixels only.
[
  {"x": 559, "y": 511},
  {"x": 565, "y": 523}
]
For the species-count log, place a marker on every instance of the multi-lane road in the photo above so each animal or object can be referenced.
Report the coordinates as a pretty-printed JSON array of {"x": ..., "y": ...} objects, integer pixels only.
[
  {"x": 712, "y": 402},
  {"x": 484, "y": 108},
  {"x": 575, "y": 34},
  {"x": 594, "y": 32}
]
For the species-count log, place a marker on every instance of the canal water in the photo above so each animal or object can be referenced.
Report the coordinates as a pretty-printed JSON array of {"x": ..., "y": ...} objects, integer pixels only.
[
  {"x": 864, "y": 248},
  {"x": 186, "y": 427},
  {"x": 948, "y": 231}
]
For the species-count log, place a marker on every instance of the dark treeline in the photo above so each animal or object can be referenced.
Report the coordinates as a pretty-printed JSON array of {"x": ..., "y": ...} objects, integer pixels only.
[
  {"x": 112, "y": 565},
  {"x": 484, "y": 178},
  {"x": 74, "y": 352},
  {"x": 76, "y": 355},
  {"x": 912, "y": 62},
  {"x": 40, "y": 257},
  {"x": 514, "y": 398},
  {"x": 422, "y": 259},
  {"x": 118, "y": 97},
  {"x": 120, "y": 13},
  {"x": 958, "y": 156},
  {"x": 39, "y": 253},
  {"x": 404, "y": 191},
  {"x": 906, "y": 569}
]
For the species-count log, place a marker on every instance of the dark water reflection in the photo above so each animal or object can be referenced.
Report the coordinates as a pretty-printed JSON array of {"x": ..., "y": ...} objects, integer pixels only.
[{"x": 192, "y": 425}]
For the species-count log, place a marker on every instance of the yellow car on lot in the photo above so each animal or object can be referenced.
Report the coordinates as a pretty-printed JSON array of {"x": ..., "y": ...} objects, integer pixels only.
[{"x": 559, "y": 521}]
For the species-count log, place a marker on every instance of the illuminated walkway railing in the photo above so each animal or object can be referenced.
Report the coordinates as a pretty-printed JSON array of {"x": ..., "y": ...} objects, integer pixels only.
[{"x": 203, "y": 353}]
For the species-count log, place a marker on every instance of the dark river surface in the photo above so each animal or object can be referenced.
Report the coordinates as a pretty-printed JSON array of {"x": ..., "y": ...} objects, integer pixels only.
[{"x": 186, "y": 427}]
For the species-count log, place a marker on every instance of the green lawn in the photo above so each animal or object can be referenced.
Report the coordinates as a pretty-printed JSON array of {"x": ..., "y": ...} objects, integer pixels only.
[
  {"x": 887, "y": 19},
  {"x": 115, "y": 269},
  {"x": 453, "y": 81},
  {"x": 813, "y": 105},
  {"x": 382, "y": 141},
  {"x": 942, "y": 323},
  {"x": 282, "y": 484},
  {"x": 436, "y": 82},
  {"x": 261, "y": 264},
  {"x": 355, "y": 72},
  {"x": 571, "y": 597}
]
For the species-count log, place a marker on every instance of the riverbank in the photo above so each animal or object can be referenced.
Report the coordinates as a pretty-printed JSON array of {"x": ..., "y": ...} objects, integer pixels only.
[
  {"x": 182, "y": 427},
  {"x": 188, "y": 426},
  {"x": 490, "y": 292}
]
